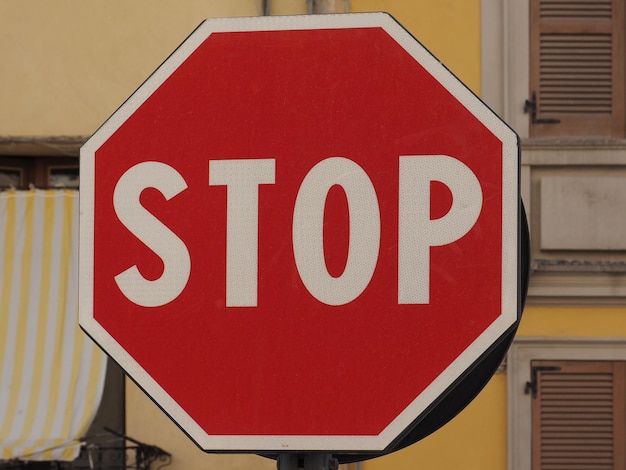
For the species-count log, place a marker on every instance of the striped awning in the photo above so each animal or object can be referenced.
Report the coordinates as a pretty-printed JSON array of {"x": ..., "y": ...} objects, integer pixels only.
[{"x": 51, "y": 374}]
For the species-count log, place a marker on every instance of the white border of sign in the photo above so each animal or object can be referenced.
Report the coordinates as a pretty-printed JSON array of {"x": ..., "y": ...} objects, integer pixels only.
[{"x": 249, "y": 443}]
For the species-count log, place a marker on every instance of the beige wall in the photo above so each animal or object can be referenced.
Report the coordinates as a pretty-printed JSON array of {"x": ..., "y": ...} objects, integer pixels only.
[{"x": 68, "y": 64}]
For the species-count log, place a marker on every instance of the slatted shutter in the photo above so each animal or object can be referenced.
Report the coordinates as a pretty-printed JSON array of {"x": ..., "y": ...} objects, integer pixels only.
[
  {"x": 579, "y": 418},
  {"x": 577, "y": 65}
]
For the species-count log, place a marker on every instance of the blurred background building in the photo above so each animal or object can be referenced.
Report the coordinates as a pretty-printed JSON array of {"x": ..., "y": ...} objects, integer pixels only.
[{"x": 553, "y": 69}]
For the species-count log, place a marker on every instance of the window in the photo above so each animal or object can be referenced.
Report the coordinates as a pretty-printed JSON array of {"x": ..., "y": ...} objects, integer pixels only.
[
  {"x": 41, "y": 172},
  {"x": 63, "y": 177},
  {"x": 556, "y": 387},
  {"x": 14, "y": 172},
  {"x": 578, "y": 414},
  {"x": 577, "y": 61}
]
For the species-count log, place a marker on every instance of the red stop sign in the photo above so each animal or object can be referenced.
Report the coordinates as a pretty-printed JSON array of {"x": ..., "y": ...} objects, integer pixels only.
[{"x": 299, "y": 232}]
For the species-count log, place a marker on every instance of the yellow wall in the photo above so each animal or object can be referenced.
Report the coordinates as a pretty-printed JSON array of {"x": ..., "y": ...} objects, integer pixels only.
[
  {"x": 450, "y": 29},
  {"x": 288, "y": 7},
  {"x": 473, "y": 440},
  {"x": 587, "y": 321}
]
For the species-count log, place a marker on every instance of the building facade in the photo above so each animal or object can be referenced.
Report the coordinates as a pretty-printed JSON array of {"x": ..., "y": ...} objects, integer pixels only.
[{"x": 554, "y": 70}]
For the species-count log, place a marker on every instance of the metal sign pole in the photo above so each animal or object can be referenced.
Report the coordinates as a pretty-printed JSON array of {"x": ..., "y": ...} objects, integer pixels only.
[{"x": 311, "y": 461}]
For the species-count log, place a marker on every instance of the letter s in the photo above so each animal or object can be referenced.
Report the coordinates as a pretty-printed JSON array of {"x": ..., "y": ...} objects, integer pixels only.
[{"x": 151, "y": 231}]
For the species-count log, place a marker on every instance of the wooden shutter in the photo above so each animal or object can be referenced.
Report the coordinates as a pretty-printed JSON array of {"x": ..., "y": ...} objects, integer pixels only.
[
  {"x": 579, "y": 419},
  {"x": 577, "y": 68}
]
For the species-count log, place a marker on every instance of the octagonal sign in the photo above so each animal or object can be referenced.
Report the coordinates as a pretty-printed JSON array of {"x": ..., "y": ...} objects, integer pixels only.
[{"x": 299, "y": 233}]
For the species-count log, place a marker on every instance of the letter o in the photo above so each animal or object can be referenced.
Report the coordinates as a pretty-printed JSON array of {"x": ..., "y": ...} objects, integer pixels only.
[{"x": 307, "y": 231}]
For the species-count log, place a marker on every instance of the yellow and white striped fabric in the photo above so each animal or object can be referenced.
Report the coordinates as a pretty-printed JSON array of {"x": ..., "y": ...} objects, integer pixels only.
[{"x": 51, "y": 374}]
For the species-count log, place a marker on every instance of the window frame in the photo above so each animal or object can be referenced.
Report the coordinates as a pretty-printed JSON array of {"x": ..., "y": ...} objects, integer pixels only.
[
  {"x": 519, "y": 405},
  {"x": 37, "y": 170}
]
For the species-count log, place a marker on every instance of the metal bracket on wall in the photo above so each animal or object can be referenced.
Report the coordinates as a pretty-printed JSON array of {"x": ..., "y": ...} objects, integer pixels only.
[
  {"x": 531, "y": 106},
  {"x": 531, "y": 385}
]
